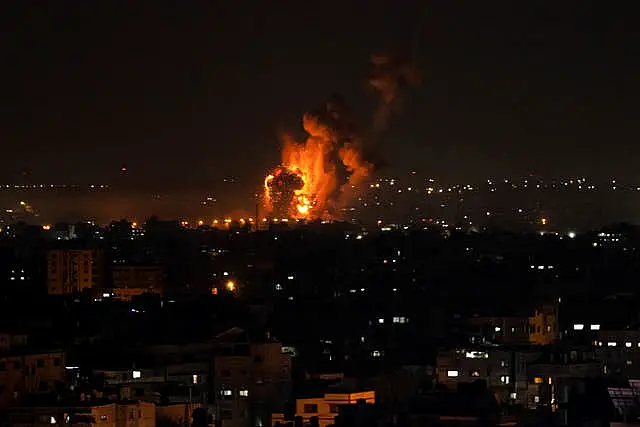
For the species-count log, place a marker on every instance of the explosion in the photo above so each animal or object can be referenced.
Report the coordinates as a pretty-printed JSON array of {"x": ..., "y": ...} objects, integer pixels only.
[
  {"x": 318, "y": 176},
  {"x": 305, "y": 185}
]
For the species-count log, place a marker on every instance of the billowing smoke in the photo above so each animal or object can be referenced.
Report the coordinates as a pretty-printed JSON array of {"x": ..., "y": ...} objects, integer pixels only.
[
  {"x": 308, "y": 183},
  {"x": 391, "y": 72},
  {"x": 317, "y": 177}
]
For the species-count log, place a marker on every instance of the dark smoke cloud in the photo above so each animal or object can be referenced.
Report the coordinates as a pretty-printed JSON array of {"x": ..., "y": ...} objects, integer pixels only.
[{"x": 392, "y": 71}]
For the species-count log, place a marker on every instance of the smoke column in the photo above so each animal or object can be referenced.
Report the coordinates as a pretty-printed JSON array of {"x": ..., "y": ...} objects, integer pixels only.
[{"x": 391, "y": 71}]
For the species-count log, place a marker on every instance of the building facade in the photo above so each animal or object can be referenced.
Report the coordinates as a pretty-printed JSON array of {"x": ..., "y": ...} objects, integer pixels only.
[
  {"x": 250, "y": 381},
  {"x": 130, "y": 281},
  {"x": 29, "y": 374},
  {"x": 73, "y": 270}
]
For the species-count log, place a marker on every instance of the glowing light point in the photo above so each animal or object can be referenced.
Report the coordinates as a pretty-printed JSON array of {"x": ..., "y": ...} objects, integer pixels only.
[{"x": 231, "y": 286}]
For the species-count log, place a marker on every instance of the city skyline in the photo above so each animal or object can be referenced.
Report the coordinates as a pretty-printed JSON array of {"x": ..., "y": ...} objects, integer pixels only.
[{"x": 184, "y": 97}]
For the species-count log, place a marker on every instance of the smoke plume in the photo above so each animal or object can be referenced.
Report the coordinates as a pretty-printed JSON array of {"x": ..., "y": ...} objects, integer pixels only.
[{"x": 391, "y": 72}]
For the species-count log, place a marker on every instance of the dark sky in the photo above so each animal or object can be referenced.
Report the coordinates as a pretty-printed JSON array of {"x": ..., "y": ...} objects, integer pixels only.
[{"x": 189, "y": 94}]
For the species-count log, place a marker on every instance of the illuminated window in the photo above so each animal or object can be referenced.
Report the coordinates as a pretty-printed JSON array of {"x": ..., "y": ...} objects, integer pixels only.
[
  {"x": 612, "y": 344},
  {"x": 243, "y": 393},
  {"x": 381, "y": 320},
  {"x": 476, "y": 355},
  {"x": 194, "y": 379},
  {"x": 538, "y": 380},
  {"x": 226, "y": 392},
  {"x": 627, "y": 344},
  {"x": 475, "y": 373},
  {"x": 452, "y": 373},
  {"x": 504, "y": 379},
  {"x": 375, "y": 353},
  {"x": 595, "y": 327},
  {"x": 578, "y": 327},
  {"x": 497, "y": 329},
  {"x": 136, "y": 374}
]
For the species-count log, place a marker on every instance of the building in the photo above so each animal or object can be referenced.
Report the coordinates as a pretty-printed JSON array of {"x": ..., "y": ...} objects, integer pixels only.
[
  {"x": 73, "y": 270},
  {"x": 251, "y": 379},
  {"x": 29, "y": 373},
  {"x": 557, "y": 372},
  {"x": 86, "y": 413},
  {"x": 177, "y": 413},
  {"x": 325, "y": 408},
  {"x": 130, "y": 281},
  {"x": 619, "y": 352},
  {"x": 543, "y": 326},
  {"x": 503, "y": 370},
  {"x": 540, "y": 328}
]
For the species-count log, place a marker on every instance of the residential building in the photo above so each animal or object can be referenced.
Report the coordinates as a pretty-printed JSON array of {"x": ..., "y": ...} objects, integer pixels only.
[
  {"x": 619, "y": 352},
  {"x": 557, "y": 372},
  {"x": 130, "y": 281},
  {"x": 86, "y": 413},
  {"x": 29, "y": 373},
  {"x": 503, "y": 370},
  {"x": 251, "y": 378},
  {"x": 325, "y": 408},
  {"x": 73, "y": 270}
]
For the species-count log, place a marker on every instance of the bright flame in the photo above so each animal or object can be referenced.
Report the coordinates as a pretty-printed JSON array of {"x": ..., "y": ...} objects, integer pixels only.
[{"x": 302, "y": 187}]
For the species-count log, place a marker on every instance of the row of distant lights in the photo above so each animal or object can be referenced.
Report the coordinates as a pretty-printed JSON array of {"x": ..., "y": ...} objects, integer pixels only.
[
  {"x": 16, "y": 186},
  {"x": 581, "y": 183}
]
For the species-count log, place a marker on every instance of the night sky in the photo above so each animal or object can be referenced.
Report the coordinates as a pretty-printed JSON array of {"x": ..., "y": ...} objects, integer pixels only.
[{"x": 189, "y": 94}]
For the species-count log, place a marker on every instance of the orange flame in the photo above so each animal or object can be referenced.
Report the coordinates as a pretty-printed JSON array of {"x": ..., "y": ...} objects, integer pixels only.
[{"x": 310, "y": 162}]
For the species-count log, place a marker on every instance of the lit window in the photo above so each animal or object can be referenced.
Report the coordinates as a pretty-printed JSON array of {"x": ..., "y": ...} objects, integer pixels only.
[
  {"x": 497, "y": 329},
  {"x": 452, "y": 373},
  {"x": 536, "y": 399},
  {"x": 226, "y": 392},
  {"x": 476, "y": 355},
  {"x": 612, "y": 344},
  {"x": 514, "y": 396},
  {"x": 629, "y": 362},
  {"x": 475, "y": 373},
  {"x": 194, "y": 379},
  {"x": 381, "y": 320},
  {"x": 538, "y": 380},
  {"x": 375, "y": 353},
  {"x": 136, "y": 374},
  {"x": 627, "y": 344},
  {"x": 595, "y": 327},
  {"x": 578, "y": 327},
  {"x": 504, "y": 379},
  {"x": 243, "y": 393},
  {"x": 289, "y": 277}
]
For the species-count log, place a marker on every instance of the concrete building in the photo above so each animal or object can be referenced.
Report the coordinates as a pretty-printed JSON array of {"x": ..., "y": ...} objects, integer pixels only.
[
  {"x": 99, "y": 414},
  {"x": 503, "y": 370},
  {"x": 539, "y": 328},
  {"x": 73, "y": 270},
  {"x": 557, "y": 372},
  {"x": 325, "y": 408},
  {"x": 130, "y": 281},
  {"x": 251, "y": 379},
  {"x": 30, "y": 373}
]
